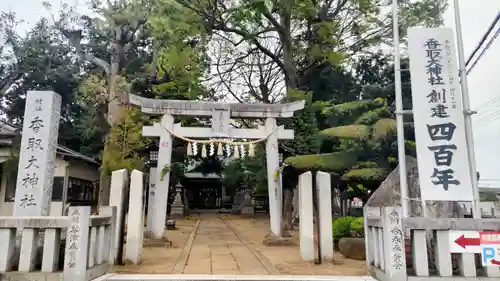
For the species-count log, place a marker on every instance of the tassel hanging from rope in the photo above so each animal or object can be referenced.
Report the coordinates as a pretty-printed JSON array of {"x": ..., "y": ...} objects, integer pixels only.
[
  {"x": 236, "y": 154},
  {"x": 189, "y": 149},
  {"x": 212, "y": 149},
  {"x": 204, "y": 151},
  {"x": 242, "y": 147},
  {"x": 220, "y": 152},
  {"x": 251, "y": 150},
  {"x": 195, "y": 148},
  {"x": 228, "y": 150}
]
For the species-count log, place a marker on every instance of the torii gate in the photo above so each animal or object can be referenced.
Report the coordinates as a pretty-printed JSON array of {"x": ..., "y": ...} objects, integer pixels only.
[{"x": 221, "y": 114}]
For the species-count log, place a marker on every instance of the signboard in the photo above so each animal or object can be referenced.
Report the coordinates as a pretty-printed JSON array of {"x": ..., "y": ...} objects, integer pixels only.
[
  {"x": 443, "y": 163},
  {"x": 221, "y": 117},
  {"x": 464, "y": 242},
  {"x": 37, "y": 154},
  {"x": 490, "y": 248}
]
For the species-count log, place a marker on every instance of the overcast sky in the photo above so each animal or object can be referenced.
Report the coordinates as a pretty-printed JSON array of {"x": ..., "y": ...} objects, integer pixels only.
[{"x": 484, "y": 82}]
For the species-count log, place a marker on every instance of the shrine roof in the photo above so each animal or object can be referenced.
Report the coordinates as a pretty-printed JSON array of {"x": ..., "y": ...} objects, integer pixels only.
[{"x": 206, "y": 108}]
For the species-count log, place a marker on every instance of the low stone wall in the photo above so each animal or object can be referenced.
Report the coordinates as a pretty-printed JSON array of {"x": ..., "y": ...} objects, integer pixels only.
[{"x": 76, "y": 247}]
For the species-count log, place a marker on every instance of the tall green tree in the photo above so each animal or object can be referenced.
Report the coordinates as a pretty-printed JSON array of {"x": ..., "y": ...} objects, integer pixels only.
[
  {"x": 40, "y": 60},
  {"x": 116, "y": 36}
]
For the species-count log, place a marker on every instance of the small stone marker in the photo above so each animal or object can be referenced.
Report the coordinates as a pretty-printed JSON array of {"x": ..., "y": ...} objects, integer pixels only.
[
  {"x": 77, "y": 242},
  {"x": 153, "y": 174},
  {"x": 35, "y": 175}
]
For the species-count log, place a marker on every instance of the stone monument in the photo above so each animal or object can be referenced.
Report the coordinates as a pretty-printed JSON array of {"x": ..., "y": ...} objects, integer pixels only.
[
  {"x": 177, "y": 206},
  {"x": 35, "y": 174},
  {"x": 247, "y": 208},
  {"x": 389, "y": 194},
  {"x": 37, "y": 157},
  {"x": 237, "y": 199}
]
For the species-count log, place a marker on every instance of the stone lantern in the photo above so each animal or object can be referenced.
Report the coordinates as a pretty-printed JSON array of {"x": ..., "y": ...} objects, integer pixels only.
[{"x": 177, "y": 206}]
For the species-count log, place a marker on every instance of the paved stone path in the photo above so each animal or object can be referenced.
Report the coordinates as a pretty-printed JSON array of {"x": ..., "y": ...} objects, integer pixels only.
[
  {"x": 230, "y": 245},
  {"x": 217, "y": 249}
]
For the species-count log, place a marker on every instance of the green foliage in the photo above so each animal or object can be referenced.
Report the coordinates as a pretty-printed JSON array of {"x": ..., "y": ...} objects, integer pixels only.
[
  {"x": 249, "y": 172},
  {"x": 164, "y": 172},
  {"x": 357, "y": 227},
  {"x": 341, "y": 227},
  {"x": 372, "y": 116},
  {"x": 348, "y": 132},
  {"x": 328, "y": 162},
  {"x": 180, "y": 41},
  {"x": 384, "y": 128},
  {"x": 366, "y": 174},
  {"x": 124, "y": 139},
  {"x": 45, "y": 62}
]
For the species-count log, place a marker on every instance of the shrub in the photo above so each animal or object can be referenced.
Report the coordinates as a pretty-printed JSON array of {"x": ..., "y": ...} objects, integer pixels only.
[
  {"x": 341, "y": 228},
  {"x": 357, "y": 227}
]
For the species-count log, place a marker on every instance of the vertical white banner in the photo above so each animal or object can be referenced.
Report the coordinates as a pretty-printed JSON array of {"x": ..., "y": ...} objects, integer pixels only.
[
  {"x": 443, "y": 163},
  {"x": 37, "y": 157}
]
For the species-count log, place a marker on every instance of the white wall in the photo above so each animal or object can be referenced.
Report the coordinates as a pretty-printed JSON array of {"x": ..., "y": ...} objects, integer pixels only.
[{"x": 77, "y": 169}]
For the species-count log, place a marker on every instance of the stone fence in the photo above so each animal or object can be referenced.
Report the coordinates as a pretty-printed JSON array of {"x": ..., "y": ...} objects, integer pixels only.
[
  {"x": 34, "y": 252},
  {"x": 393, "y": 256}
]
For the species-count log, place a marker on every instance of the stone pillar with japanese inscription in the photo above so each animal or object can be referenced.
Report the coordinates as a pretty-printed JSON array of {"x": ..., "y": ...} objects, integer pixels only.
[
  {"x": 273, "y": 184},
  {"x": 37, "y": 154},
  {"x": 77, "y": 237},
  {"x": 153, "y": 173},
  {"x": 394, "y": 246},
  {"x": 159, "y": 214}
]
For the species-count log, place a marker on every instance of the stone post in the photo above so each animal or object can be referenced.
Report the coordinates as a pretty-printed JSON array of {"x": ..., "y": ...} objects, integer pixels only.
[
  {"x": 77, "y": 244},
  {"x": 323, "y": 189},
  {"x": 110, "y": 211},
  {"x": 119, "y": 181},
  {"x": 247, "y": 208},
  {"x": 162, "y": 184},
  {"x": 394, "y": 245},
  {"x": 177, "y": 206},
  {"x": 237, "y": 199},
  {"x": 153, "y": 174},
  {"x": 37, "y": 157},
  {"x": 274, "y": 186},
  {"x": 135, "y": 224},
  {"x": 306, "y": 223}
]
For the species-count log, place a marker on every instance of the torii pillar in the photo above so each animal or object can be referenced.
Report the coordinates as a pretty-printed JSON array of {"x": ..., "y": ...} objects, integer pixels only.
[{"x": 221, "y": 115}]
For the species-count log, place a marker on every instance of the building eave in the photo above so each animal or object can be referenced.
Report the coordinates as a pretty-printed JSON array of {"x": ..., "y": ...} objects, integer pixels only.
[{"x": 12, "y": 131}]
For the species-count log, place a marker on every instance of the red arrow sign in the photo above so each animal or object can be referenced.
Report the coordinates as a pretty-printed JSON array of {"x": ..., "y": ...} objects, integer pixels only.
[
  {"x": 464, "y": 242},
  {"x": 495, "y": 262}
]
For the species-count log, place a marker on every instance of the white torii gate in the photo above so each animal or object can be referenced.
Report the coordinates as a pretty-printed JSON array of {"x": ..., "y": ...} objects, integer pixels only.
[{"x": 221, "y": 114}]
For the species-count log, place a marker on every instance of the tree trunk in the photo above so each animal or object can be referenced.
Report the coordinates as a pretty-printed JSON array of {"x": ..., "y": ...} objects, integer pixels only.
[
  {"x": 295, "y": 213},
  {"x": 116, "y": 100}
]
